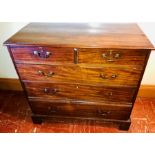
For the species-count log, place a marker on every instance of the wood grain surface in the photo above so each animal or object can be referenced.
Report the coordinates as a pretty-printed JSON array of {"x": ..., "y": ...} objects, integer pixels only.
[
  {"x": 118, "y": 35},
  {"x": 104, "y": 111},
  {"x": 108, "y": 56},
  {"x": 84, "y": 56},
  {"x": 79, "y": 92},
  {"x": 102, "y": 76},
  {"x": 57, "y": 55}
]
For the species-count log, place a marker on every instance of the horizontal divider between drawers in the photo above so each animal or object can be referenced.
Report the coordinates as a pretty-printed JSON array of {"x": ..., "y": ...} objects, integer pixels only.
[
  {"x": 88, "y": 65},
  {"x": 82, "y": 102},
  {"x": 99, "y": 85}
]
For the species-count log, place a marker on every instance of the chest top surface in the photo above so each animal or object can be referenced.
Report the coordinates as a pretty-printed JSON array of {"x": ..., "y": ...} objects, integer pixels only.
[{"x": 82, "y": 35}]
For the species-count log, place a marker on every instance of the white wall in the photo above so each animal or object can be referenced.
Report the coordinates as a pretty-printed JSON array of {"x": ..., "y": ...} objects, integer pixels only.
[
  {"x": 149, "y": 75},
  {"x": 7, "y": 69},
  {"x": 6, "y": 66}
]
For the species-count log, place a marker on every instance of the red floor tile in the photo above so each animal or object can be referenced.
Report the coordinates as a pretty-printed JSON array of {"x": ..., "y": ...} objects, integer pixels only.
[
  {"x": 151, "y": 127},
  {"x": 149, "y": 109}
]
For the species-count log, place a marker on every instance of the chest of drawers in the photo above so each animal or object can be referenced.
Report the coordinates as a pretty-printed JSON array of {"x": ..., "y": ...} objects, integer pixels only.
[{"x": 80, "y": 71}]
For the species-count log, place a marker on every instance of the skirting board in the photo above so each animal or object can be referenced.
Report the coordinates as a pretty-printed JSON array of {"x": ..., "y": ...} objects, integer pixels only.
[
  {"x": 10, "y": 84},
  {"x": 147, "y": 91},
  {"x": 14, "y": 84}
]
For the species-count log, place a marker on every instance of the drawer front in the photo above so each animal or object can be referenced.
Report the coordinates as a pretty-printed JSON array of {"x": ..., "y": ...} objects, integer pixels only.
[
  {"x": 79, "y": 92},
  {"x": 84, "y": 75},
  {"x": 85, "y": 109},
  {"x": 42, "y": 55},
  {"x": 106, "y": 56}
]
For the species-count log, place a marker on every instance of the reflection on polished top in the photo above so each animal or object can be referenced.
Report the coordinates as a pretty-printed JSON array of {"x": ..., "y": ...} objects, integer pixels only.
[{"x": 99, "y": 35}]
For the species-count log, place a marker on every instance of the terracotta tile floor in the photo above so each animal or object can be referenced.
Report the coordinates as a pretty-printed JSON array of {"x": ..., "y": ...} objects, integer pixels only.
[{"x": 15, "y": 116}]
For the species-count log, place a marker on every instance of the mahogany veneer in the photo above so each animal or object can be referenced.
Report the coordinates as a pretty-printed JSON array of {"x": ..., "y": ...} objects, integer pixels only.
[{"x": 81, "y": 71}]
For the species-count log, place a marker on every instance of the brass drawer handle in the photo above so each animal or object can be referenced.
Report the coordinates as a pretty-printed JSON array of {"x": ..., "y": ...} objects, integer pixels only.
[
  {"x": 110, "y": 94},
  {"x": 42, "y": 53},
  {"x": 50, "y": 74},
  {"x": 110, "y": 56},
  {"x": 104, "y": 113},
  {"x": 50, "y": 91},
  {"x": 52, "y": 110},
  {"x": 104, "y": 76},
  {"x": 117, "y": 55}
]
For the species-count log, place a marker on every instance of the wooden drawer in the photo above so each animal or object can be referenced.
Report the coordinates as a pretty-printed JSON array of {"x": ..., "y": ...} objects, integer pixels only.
[
  {"x": 106, "y": 56},
  {"x": 81, "y": 74},
  {"x": 42, "y": 55},
  {"x": 84, "y": 109},
  {"x": 79, "y": 92}
]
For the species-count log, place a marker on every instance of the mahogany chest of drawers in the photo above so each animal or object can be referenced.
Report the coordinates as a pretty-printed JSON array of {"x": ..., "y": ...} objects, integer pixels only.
[{"x": 80, "y": 70}]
